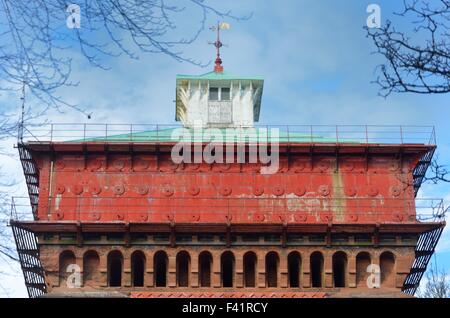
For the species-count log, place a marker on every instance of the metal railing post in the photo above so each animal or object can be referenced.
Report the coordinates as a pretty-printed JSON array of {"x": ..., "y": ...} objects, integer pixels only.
[
  {"x": 12, "y": 208},
  {"x": 288, "y": 135},
  {"x": 401, "y": 134},
  {"x": 106, "y": 132},
  {"x": 157, "y": 134},
  {"x": 84, "y": 132},
  {"x": 367, "y": 135},
  {"x": 433, "y": 136},
  {"x": 51, "y": 132}
]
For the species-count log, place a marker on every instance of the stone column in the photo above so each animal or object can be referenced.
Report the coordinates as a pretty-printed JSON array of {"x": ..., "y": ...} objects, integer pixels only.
[
  {"x": 79, "y": 261},
  {"x": 261, "y": 270},
  {"x": 193, "y": 274},
  {"x": 126, "y": 279},
  {"x": 375, "y": 259},
  {"x": 306, "y": 270},
  {"x": 172, "y": 260},
  {"x": 149, "y": 266},
  {"x": 328, "y": 268},
  {"x": 103, "y": 267},
  {"x": 216, "y": 266},
  {"x": 239, "y": 269},
  {"x": 283, "y": 275},
  {"x": 351, "y": 267}
]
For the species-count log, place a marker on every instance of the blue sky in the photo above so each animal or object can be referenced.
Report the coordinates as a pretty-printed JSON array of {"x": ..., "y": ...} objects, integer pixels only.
[{"x": 316, "y": 61}]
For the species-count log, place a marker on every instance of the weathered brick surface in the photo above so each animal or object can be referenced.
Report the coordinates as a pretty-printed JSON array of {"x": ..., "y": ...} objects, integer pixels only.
[{"x": 50, "y": 255}]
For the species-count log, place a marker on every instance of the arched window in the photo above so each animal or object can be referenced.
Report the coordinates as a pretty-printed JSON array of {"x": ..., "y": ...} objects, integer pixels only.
[
  {"x": 249, "y": 269},
  {"x": 340, "y": 269},
  {"x": 160, "y": 262},
  {"x": 66, "y": 259},
  {"x": 227, "y": 269},
  {"x": 316, "y": 263},
  {"x": 91, "y": 263},
  {"x": 183, "y": 269},
  {"x": 137, "y": 269},
  {"x": 387, "y": 268},
  {"x": 204, "y": 266},
  {"x": 272, "y": 261},
  {"x": 362, "y": 262},
  {"x": 115, "y": 268},
  {"x": 294, "y": 269}
]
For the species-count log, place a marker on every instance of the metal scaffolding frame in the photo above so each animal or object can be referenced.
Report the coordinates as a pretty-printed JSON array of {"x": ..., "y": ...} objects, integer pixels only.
[
  {"x": 31, "y": 173},
  {"x": 421, "y": 169},
  {"x": 424, "y": 251},
  {"x": 26, "y": 241},
  {"x": 28, "y": 251}
]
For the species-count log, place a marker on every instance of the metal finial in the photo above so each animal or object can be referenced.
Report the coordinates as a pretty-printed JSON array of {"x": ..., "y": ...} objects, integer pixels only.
[{"x": 218, "y": 68}]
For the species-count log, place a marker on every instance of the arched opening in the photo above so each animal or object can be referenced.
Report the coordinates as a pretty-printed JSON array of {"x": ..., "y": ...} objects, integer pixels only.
[
  {"x": 387, "y": 268},
  {"x": 227, "y": 269},
  {"x": 115, "y": 267},
  {"x": 183, "y": 269},
  {"x": 294, "y": 269},
  {"x": 204, "y": 266},
  {"x": 362, "y": 262},
  {"x": 137, "y": 269},
  {"x": 249, "y": 269},
  {"x": 91, "y": 262},
  {"x": 272, "y": 261},
  {"x": 160, "y": 262},
  {"x": 66, "y": 259},
  {"x": 316, "y": 263},
  {"x": 340, "y": 269}
]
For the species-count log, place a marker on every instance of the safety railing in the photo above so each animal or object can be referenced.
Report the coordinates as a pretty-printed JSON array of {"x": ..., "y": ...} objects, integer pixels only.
[
  {"x": 369, "y": 209},
  {"x": 365, "y": 134}
]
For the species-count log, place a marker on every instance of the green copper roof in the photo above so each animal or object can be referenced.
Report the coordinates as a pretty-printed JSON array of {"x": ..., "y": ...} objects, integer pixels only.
[
  {"x": 219, "y": 76},
  {"x": 230, "y": 135}
]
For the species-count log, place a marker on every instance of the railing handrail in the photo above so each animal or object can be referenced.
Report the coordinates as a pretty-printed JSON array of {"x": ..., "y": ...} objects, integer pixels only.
[
  {"x": 384, "y": 134},
  {"x": 436, "y": 205}
]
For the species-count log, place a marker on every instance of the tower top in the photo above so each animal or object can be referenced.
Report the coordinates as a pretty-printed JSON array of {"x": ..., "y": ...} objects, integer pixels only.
[
  {"x": 217, "y": 98},
  {"x": 218, "y": 68}
]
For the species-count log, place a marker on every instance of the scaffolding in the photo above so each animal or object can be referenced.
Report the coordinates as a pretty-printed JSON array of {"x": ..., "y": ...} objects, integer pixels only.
[
  {"x": 424, "y": 250},
  {"x": 421, "y": 169},
  {"x": 31, "y": 173},
  {"x": 26, "y": 241},
  {"x": 28, "y": 251}
]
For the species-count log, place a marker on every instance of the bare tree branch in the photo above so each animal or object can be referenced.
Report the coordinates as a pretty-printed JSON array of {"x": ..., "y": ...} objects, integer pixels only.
[
  {"x": 438, "y": 173},
  {"x": 437, "y": 285},
  {"x": 36, "y": 47},
  {"x": 34, "y": 38},
  {"x": 418, "y": 61}
]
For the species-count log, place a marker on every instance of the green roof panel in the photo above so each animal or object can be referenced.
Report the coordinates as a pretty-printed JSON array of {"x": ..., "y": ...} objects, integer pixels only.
[
  {"x": 244, "y": 135},
  {"x": 218, "y": 76}
]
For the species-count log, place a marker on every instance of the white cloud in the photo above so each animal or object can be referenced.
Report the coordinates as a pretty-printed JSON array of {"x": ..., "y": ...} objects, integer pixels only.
[{"x": 315, "y": 59}]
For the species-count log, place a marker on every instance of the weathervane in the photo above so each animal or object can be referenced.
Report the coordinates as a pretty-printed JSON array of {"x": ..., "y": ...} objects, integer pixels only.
[{"x": 218, "y": 68}]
